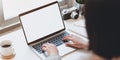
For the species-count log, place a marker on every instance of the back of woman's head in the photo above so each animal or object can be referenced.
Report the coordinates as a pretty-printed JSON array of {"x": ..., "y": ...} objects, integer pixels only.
[{"x": 103, "y": 27}]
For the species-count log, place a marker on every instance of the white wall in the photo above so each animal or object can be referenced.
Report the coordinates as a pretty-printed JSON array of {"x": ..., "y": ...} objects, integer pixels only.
[{"x": 13, "y": 8}]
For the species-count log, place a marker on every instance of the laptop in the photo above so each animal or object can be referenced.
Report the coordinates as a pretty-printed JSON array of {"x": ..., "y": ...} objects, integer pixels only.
[{"x": 42, "y": 25}]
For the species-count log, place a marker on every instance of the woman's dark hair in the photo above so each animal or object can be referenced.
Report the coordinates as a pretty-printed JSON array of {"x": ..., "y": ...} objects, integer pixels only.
[{"x": 103, "y": 27}]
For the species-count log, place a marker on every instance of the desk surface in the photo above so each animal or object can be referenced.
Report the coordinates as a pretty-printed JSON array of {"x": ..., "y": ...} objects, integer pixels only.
[{"x": 23, "y": 52}]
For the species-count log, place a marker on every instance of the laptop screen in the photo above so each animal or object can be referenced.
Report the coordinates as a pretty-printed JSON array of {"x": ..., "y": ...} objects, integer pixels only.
[{"x": 42, "y": 22}]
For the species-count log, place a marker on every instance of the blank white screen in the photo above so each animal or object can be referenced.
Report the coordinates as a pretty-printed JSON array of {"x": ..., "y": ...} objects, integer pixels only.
[{"x": 42, "y": 22}]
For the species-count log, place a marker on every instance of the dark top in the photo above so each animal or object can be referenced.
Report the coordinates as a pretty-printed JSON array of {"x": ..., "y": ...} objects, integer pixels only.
[{"x": 103, "y": 27}]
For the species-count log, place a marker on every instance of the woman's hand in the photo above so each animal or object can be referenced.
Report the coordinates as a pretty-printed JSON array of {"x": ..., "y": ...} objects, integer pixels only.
[
  {"x": 51, "y": 49},
  {"x": 77, "y": 42}
]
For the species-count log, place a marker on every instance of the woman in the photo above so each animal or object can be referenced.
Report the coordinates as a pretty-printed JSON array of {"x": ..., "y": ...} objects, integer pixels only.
[{"x": 102, "y": 24}]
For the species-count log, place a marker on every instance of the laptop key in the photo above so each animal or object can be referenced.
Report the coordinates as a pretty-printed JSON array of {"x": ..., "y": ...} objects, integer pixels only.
[{"x": 58, "y": 40}]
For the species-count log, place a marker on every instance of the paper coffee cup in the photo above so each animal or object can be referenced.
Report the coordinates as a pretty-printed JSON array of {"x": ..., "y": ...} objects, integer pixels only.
[{"x": 6, "y": 49}]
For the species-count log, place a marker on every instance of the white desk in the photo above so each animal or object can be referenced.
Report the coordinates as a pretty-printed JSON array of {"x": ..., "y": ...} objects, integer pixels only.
[{"x": 23, "y": 52}]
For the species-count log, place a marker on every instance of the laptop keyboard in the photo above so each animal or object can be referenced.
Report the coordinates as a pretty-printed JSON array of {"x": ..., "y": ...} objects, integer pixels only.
[{"x": 58, "y": 40}]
